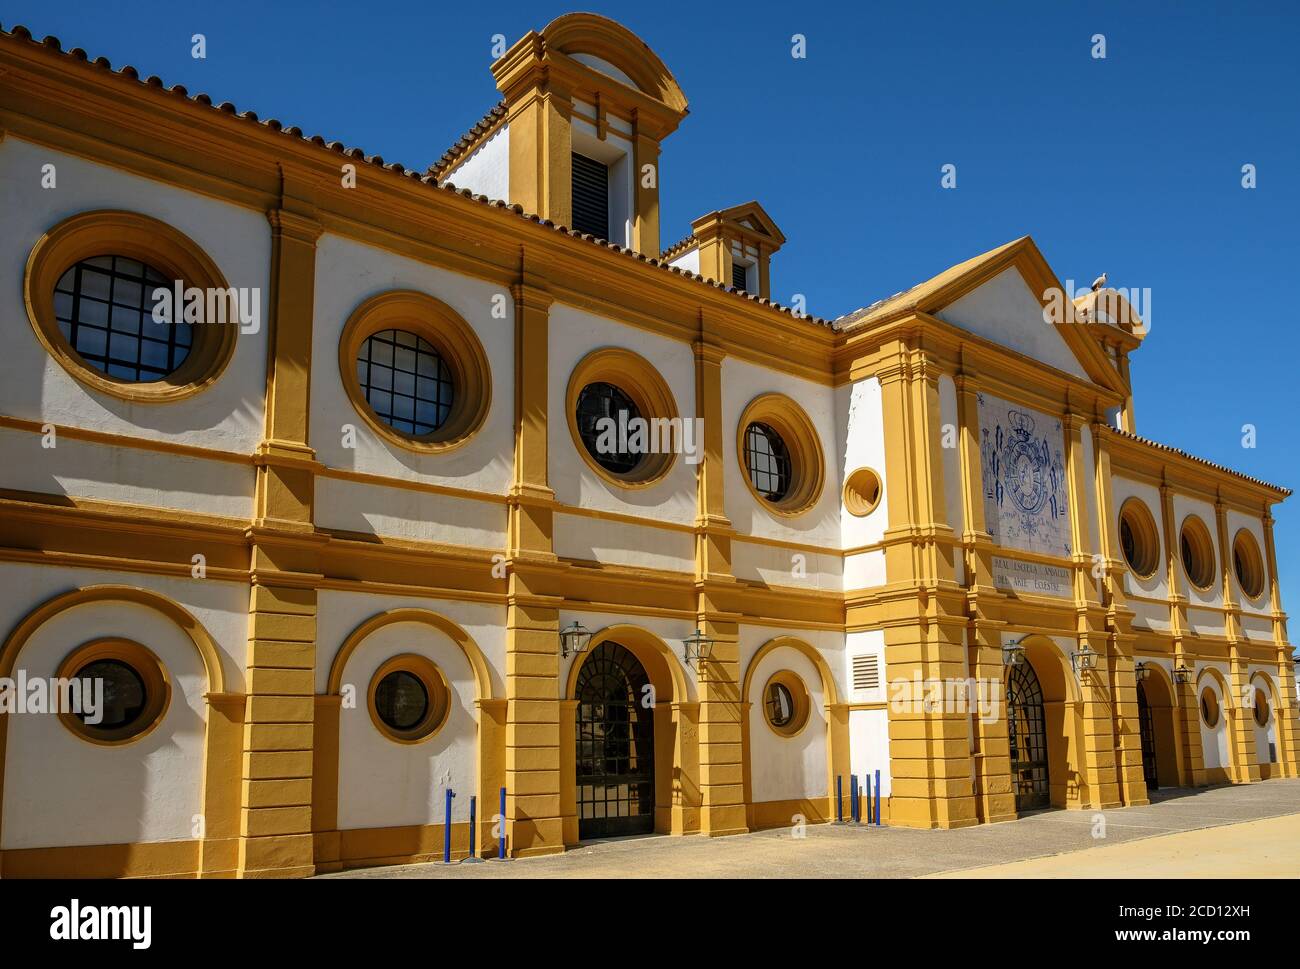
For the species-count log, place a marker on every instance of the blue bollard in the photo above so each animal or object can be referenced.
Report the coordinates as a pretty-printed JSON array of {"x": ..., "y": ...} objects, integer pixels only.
[
  {"x": 867, "y": 780},
  {"x": 854, "y": 806},
  {"x": 839, "y": 799},
  {"x": 877, "y": 798},
  {"x": 501, "y": 846},
  {"x": 473, "y": 827},
  {"x": 446, "y": 830}
]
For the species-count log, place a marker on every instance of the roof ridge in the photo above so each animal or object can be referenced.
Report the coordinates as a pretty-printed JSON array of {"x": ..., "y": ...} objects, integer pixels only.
[
  {"x": 21, "y": 34},
  {"x": 483, "y": 128},
  {"x": 1199, "y": 460}
]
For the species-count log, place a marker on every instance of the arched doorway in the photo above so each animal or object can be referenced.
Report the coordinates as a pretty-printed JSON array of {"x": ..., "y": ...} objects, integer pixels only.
[
  {"x": 1147, "y": 731},
  {"x": 1027, "y": 734},
  {"x": 615, "y": 745}
]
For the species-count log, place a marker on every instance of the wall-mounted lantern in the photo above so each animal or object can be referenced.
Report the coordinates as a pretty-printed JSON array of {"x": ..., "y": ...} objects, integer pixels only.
[
  {"x": 574, "y": 638},
  {"x": 1084, "y": 659},
  {"x": 1142, "y": 671},
  {"x": 1182, "y": 673},
  {"x": 1013, "y": 654},
  {"x": 698, "y": 648}
]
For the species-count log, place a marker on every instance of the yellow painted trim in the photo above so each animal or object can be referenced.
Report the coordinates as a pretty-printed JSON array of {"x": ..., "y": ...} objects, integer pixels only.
[
  {"x": 794, "y": 683},
  {"x": 166, "y": 250},
  {"x": 862, "y": 492},
  {"x": 482, "y": 679}
]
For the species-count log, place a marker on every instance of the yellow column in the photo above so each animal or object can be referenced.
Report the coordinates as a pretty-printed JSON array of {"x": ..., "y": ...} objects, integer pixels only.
[
  {"x": 541, "y": 146},
  {"x": 275, "y": 836},
  {"x": 719, "y": 715},
  {"x": 1288, "y": 727},
  {"x": 534, "y": 815},
  {"x": 995, "y": 800},
  {"x": 1241, "y": 736},
  {"x": 1111, "y": 755},
  {"x": 645, "y": 227},
  {"x": 929, "y": 746},
  {"x": 1188, "y": 712}
]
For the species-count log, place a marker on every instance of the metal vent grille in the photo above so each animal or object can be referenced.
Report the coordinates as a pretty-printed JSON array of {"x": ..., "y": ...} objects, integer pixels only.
[
  {"x": 739, "y": 272},
  {"x": 866, "y": 672},
  {"x": 590, "y": 196}
]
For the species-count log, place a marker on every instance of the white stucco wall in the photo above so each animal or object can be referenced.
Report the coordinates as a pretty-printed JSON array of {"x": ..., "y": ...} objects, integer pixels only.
[
  {"x": 787, "y": 768},
  {"x": 149, "y": 790},
  {"x": 347, "y": 274},
  {"x": 574, "y": 333},
  {"x": 226, "y": 416},
  {"x": 486, "y": 170},
  {"x": 820, "y": 525},
  {"x": 1007, "y": 312}
]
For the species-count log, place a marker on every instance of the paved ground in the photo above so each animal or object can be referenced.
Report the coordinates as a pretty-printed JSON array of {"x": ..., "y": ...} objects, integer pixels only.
[{"x": 1134, "y": 845}]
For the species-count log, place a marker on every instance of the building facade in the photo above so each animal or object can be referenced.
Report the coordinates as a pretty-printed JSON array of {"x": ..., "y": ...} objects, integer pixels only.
[{"x": 329, "y": 526}]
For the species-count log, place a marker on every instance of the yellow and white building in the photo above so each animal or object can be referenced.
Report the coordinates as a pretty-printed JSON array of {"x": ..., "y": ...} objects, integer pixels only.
[{"x": 323, "y": 553}]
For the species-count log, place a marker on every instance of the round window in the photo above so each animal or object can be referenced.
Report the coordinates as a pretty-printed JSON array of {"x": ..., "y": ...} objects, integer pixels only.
[
  {"x": 1197, "y": 553},
  {"x": 401, "y": 700},
  {"x": 409, "y": 699},
  {"x": 104, "y": 307},
  {"x": 785, "y": 703},
  {"x": 125, "y": 695},
  {"x": 1248, "y": 564},
  {"x": 89, "y": 289},
  {"x": 406, "y": 381},
  {"x": 862, "y": 492},
  {"x": 606, "y": 416},
  {"x": 1261, "y": 708},
  {"x": 1209, "y": 707},
  {"x": 768, "y": 461},
  {"x": 1138, "y": 539},
  {"x": 120, "y": 691}
]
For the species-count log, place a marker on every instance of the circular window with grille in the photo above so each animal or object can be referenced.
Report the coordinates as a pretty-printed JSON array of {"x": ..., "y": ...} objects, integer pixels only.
[
  {"x": 780, "y": 455},
  {"x": 100, "y": 289},
  {"x": 415, "y": 371}
]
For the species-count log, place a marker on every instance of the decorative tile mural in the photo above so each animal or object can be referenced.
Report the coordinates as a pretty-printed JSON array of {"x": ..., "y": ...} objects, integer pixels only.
[{"x": 1022, "y": 454}]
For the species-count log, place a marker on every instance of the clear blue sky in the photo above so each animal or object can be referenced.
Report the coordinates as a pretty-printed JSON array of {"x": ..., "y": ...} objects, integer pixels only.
[{"x": 1130, "y": 164}]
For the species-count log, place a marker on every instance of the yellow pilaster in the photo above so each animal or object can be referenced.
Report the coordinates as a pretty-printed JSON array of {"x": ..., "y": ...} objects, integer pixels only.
[
  {"x": 275, "y": 833},
  {"x": 1288, "y": 713},
  {"x": 533, "y": 734},
  {"x": 1240, "y": 713},
  {"x": 722, "y": 789},
  {"x": 926, "y": 639}
]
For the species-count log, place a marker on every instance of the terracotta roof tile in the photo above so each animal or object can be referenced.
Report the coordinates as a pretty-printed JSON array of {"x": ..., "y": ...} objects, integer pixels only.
[
  {"x": 20, "y": 33},
  {"x": 470, "y": 140},
  {"x": 1201, "y": 461}
]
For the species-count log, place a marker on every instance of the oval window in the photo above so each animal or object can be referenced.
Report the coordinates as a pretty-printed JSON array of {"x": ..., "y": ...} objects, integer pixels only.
[
  {"x": 605, "y": 416},
  {"x": 768, "y": 461},
  {"x": 104, "y": 307},
  {"x": 406, "y": 381}
]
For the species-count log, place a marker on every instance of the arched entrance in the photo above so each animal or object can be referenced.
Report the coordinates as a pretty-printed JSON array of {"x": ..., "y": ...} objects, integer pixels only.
[
  {"x": 1027, "y": 735},
  {"x": 615, "y": 745},
  {"x": 1147, "y": 731}
]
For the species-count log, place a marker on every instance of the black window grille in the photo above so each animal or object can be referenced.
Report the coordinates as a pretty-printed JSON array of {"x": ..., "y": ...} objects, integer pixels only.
[
  {"x": 739, "y": 275},
  {"x": 590, "y": 196},
  {"x": 603, "y": 441},
  {"x": 406, "y": 381},
  {"x": 768, "y": 461},
  {"x": 104, "y": 307}
]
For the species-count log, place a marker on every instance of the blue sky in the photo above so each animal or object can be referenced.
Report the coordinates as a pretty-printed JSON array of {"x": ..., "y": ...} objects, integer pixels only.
[{"x": 1131, "y": 164}]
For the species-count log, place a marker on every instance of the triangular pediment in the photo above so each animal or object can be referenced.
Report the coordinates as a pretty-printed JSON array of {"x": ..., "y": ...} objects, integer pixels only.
[{"x": 1009, "y": 296}]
